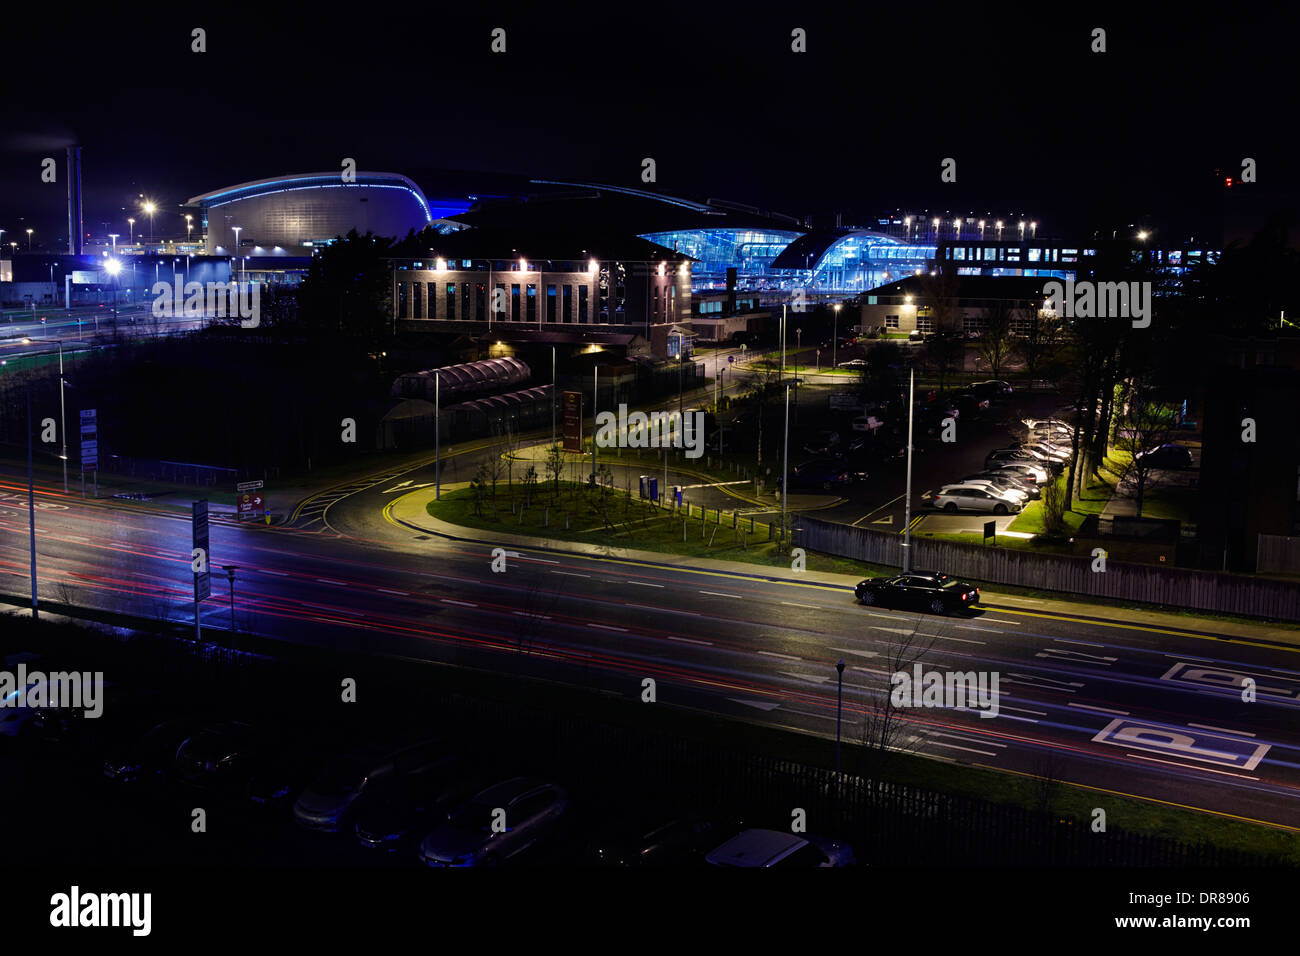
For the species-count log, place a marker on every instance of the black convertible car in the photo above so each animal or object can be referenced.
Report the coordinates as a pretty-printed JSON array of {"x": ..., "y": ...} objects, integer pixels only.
[{"x": 918, "y": 591}]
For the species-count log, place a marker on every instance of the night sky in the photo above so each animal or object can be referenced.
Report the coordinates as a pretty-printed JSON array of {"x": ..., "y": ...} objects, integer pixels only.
[{"x": 1038, "y": 124}]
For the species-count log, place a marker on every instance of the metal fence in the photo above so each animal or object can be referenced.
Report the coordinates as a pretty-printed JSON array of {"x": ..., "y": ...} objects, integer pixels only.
[{"x": 1151, "y": 584}]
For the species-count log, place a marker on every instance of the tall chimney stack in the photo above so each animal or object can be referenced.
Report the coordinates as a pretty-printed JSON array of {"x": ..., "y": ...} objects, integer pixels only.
[{"x": 74, "y": 201}]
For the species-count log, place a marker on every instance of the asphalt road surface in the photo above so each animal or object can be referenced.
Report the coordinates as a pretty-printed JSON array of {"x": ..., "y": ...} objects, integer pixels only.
[{"x": 1124, "y": 708}]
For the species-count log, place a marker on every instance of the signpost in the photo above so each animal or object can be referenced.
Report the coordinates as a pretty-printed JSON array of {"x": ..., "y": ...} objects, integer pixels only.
[
  {"x": 990, "y": 531},
  {"x": 573, "y": 421},
  {"x": 200, "y": 560},
  {"x": 250, "y": 500},
  {"x": 89, "y": 447}
]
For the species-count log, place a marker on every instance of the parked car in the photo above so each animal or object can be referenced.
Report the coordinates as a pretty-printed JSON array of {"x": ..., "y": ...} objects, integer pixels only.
[
  {"x": 331, "y": 802},
  {"x": 399, "y": 817},
  {"x": 1029, "y": 471},
  {"x": 1000, "y": 456},
  {"x": 1048, "y": 450},
  {"x": 970, "y": 498},
  {"x": 992, "y": 388},
  {"x": 1007, "y": 479},
  {"x": 822, "y": 443},
  {"x": 918, "y": 590},
  {"x": 680, "y": 842},
  {"x": 145, "y": 761},
  {"x": 762, "y": 848},
  {"x": 533, "y": 810},
  {"x": 279, "y": 773},
  {"x": 217, "y": 757},
  {"x": 1054, "y": 422},
  {"x": 1176, "y": 457},
  {"x": 1003, "y": 489},
  {"x": 971, "y": 403},
  {"x": 824, "y": 474}
]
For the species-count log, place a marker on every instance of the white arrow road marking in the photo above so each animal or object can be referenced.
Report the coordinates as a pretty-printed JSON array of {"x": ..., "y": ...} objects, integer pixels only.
[
  {"x": 1100, "y": 710},
  {"x": 969, "y": 740},
  {"x": 756, "y": 704},
  {"x": 850, "y": 650},
  {"x": 811, "y": 680},
  {"x": 1060, "y": 654},
  {"x": 787, "y": 657},
  {"x": 1050, "y": 680},
  {"x": 406, "y": 485}
]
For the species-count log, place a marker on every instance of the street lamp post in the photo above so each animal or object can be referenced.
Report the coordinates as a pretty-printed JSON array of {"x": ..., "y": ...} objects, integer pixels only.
[
  {"x": 907, "y": 508},
  {"x": 785, "y": 465},
  {"x": 29, "y": 239},
  {"x": 131, "y": 222},
  {"x": 839, "y": 709},
  {"x": 835, "y": 338},
  {"x": 230, "y": 570},
  {"x": 63, "y": 421},
  {"x": 437, "y": 436},
  {"x": 31, "y": 502}
]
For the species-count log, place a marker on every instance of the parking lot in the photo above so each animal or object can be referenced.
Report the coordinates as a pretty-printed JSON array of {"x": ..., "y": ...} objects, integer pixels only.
[{"x": 877, "y": 500}]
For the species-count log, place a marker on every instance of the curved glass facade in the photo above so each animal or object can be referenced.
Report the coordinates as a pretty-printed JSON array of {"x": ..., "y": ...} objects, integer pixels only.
[{"x": 749, "y": 251}]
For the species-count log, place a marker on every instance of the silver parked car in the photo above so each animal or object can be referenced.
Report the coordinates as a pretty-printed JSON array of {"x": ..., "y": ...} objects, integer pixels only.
[
  {"x": 758, "y": 848},
  {"x": 970, "y": 498},
  {"x": 498, "y": 824},
  {"x": 330, "y": 803}
]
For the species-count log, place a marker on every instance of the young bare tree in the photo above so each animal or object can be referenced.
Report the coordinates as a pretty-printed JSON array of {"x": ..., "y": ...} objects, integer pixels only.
[
  {"x": 1145, "y": 423},
  {"x": 996, "y": 343},
  {"x": 554, "y": 469},
  {"x": 885, "y": 730},
  {"x": 1044, "y": 333}
]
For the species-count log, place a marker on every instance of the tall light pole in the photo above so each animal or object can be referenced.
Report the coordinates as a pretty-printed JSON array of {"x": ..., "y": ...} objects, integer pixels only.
[
  {"x": 835, "y": 338},
  {"x": 189, "y": 228},
  {"x": 553, "y": 395},
  {"x": 29, "y": 239},
  {"x": 785, "y": 465},
  {"x": 780, "y": 375},
  {"x": 149, "y": 209},
  {"x": 230, "y": 570},
  {"x": 113, "y": 236},
  {"x": 437, "y": 436},
  {"x": 63, "y": 421},
  {"x": 31, "y": 502},
  {"x": 595, "y": 410},
  {"x": 907, "y": 508},
  {"x": 839, "y": 709},
  {"x": 131, "y": 222}
]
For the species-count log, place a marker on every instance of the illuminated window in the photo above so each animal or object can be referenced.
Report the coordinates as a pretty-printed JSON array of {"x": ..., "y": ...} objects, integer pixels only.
[{"x": 532, "y": 302}]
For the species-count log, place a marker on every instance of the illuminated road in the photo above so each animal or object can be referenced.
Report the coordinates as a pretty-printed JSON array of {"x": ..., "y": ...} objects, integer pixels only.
[{"x": 1119, "y": 707}]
